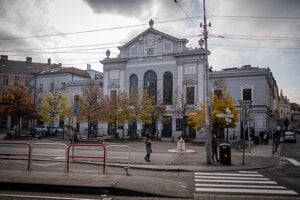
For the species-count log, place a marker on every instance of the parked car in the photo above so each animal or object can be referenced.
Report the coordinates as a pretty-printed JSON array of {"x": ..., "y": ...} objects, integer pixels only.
[
  {"x": 55, "y": 130},
  {"x": 42, "y": 128},
  {"x": 289, "y": 137},
  {"x": 58, "y": 129}
]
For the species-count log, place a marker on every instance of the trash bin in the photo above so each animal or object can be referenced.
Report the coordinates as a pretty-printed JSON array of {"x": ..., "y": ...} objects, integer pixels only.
[
  {"x": 225, "y": 154},
  {"x": 256, "y": 140}
]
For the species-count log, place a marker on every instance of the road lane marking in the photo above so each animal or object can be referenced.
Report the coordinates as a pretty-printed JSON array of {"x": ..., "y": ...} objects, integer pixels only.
[
  {"x": 248, "y": 172},
  {"x": 44, "y": 197},
  {"x": 293, "y": 161},
  {"x": 252, "y": 191}
]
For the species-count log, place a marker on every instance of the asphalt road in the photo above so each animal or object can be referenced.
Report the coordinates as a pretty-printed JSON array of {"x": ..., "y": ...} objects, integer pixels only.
[{"x": 286, "y": 175}]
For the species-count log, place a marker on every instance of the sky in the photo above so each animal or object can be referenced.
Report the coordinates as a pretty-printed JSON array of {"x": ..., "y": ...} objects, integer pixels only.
[{"x": 77, "y": 32}]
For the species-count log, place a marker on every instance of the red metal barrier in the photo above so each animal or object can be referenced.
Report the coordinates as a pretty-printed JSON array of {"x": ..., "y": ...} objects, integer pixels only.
[
  {"x": 19, "y": 154},
  {"x": 86, "y": 145}
]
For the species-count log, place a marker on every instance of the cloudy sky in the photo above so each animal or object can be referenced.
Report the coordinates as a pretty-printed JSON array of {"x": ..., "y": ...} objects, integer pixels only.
[{"x": 76, "y": 32}]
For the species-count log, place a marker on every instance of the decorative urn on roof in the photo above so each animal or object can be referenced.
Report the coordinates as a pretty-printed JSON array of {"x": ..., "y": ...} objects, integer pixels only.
[
  {"x": 107, "y": 53},
  {"x": 151, "y": 23}
]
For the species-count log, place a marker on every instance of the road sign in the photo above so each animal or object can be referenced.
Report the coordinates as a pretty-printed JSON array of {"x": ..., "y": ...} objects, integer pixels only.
[
  {"x": 228, "y": 115},
  {"x": 228, "y": 120}
]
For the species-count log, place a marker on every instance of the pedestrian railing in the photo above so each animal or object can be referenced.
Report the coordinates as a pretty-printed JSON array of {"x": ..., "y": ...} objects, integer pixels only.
[
  {"x": 28, "y": 154},
  {"x": 127, "y": 158},
  {"x": 47, "y": 155},
  {"x": 103, "y": 157}
]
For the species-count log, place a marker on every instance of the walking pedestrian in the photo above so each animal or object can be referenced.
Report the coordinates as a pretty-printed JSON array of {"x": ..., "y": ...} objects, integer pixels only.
[
  {"x": 147, "y": 141},
  {"x": 261, "y": 137},
  {"x": 276, "y": 141},
  {"x": 214, "y": 146},
  {"x": 265, "y": 138}
]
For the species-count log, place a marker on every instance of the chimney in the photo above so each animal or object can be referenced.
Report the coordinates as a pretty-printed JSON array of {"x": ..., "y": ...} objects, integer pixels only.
[
  {"x": 49, "y": 61},
  {"x": 28, "y": 59},
  {"x": 4, "y": 57},
  {"x": 88, "y": 66}
]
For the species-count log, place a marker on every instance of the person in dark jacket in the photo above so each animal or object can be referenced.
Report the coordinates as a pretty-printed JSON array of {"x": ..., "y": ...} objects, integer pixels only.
[
  {"x": 147, "y": 141},
  {"x": 214, "y": 147}
]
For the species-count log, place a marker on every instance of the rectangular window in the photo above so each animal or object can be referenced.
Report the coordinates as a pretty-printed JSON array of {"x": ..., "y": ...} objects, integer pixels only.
[
  {"x": 27, "y": 82},
  {"x": 41, "y": 88},
  {"x": 179, "y": 123},
  {"x": 76, "y": 99},
  {"x": 113, "y": 94},
  {"x": 63, "y": 85},
  {"x": 5, "y": 80},
  {"x": 218, "y": 93},
  {"x": 247, "y": 94},
  {"x": 17, "y": 79},
  {"x": 190, "y": 95}
]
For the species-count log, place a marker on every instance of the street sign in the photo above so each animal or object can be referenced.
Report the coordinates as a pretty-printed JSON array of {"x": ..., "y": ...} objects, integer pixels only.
[
  {"x": 228, "y": 120},
  {"x": 228, "y": 115}
]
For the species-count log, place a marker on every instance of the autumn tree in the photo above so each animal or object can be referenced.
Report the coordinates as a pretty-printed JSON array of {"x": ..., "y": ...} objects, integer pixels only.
[
  {"x": 222, "y": 103},
  {"x": 90, "y": 106},
  {"x": 183, "y": 106},
  {"x": 18, "y": 104},
  {"x": 54, "y": 107},
  {"x": 153, "y": 110},
  {"x": 141, "y": 106},
  {"x": 116, "y": 110}
]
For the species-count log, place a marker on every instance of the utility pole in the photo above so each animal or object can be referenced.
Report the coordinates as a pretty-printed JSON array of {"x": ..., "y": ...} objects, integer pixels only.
[{"x": 207, "y": 96}]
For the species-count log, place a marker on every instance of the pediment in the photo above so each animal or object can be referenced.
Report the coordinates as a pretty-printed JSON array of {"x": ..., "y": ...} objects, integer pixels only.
[
  {"x": 152, "y": 42},
  {"x": 149, "y": 34}
]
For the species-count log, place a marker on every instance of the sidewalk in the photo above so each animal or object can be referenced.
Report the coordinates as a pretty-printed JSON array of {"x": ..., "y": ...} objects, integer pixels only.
[{"x": 161, "y": 159}]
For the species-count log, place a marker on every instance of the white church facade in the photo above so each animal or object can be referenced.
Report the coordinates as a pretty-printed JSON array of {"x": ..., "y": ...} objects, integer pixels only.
[{"x": 162, "y": 63}]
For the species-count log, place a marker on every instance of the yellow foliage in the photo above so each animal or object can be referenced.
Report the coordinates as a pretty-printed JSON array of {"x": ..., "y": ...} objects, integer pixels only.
[
  {"x": 219, "y": 105},
  {"x": 54, "y": 106}
]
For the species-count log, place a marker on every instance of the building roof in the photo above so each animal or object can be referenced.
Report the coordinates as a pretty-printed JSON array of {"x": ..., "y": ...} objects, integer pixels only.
[
  {"x": 23, "y": 67},
  {"x": 65, "y": 70}
]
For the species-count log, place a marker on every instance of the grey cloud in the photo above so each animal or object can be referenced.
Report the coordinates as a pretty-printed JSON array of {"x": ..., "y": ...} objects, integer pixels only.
[
  {"x": 20, "y": 19},
  {"x": 126, "y": 7},
  {"x": 256, "y": 8}
]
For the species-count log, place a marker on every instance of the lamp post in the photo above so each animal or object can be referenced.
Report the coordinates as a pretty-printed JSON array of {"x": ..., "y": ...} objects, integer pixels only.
[{"x": 245, "y": 104}]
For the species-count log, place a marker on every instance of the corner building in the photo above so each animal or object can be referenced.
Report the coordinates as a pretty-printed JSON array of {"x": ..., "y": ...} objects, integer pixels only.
[{"x": 162, "y": 63}]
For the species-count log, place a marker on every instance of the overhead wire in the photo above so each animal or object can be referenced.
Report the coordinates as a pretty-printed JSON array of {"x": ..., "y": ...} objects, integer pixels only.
[
  {"x": 38, "y": 51},
  {"x": 186, "y": 14}
]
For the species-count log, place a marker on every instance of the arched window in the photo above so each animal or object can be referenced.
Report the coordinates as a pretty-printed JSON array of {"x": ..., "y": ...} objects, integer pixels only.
[
  {"x": 133, "y": 84},
  {"x": 150, "y": 83},
  {"x": 168, "y": 88}
]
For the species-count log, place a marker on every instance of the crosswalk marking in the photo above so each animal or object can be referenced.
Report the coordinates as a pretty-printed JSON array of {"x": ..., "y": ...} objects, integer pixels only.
[
  {"x": 240, "y": 186},
  {"x": 227, "y": 174},
  {"x": 231, "y": 178},
  {"x": 235, "y": 181},
  {"x": 239, "y": 182},
  {"x": 247, "y": 190}
]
